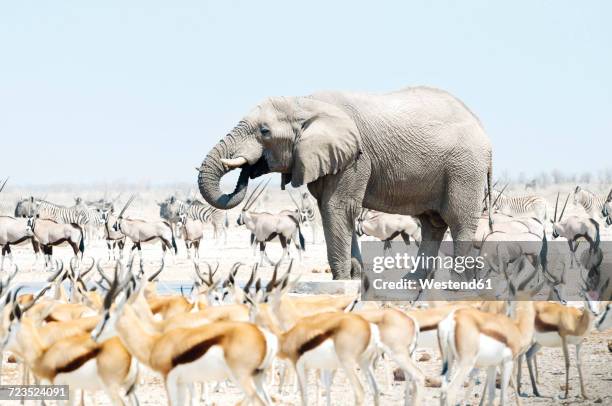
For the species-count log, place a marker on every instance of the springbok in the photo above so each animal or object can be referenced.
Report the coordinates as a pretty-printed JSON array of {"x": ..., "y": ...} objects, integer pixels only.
[
  {"x": 557, "y": 325},
  {"x": 265, "y": 226},
  {"x": 327, "y": 341},
  {"x": 75, "y": 360},
  {"x": 473, "y": 338},
  {"x": 139, "y": 231},
  {"x": 216, "y": 351}
]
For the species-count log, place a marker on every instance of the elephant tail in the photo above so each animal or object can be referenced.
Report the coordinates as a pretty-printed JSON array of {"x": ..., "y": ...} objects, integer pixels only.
[
  {"x": 544, "y": 255},
  {"x": 301, "y": 238},
  {"x": 174, "y": 244},
  {"x": 490, "y": 191}
]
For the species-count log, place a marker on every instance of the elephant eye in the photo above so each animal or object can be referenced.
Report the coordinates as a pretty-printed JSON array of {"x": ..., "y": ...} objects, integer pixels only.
[{"x": 265, "y": 131}]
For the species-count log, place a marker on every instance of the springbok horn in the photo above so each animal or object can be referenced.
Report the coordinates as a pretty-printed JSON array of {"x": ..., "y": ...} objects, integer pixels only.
[
  {"x": 129, "y": 202},
  {"x": 11, "y": 276},
  {"x": 102, "y": 274},
  {"x": 272, "y": 282},
  {"x": 564, "y": 205},
  {"x": 251, "y": 279},
  {"x": 36, "y": 297},
  {"x": 234, "y": 162},
  {"x": 93, "y": 262},
  {"x": 211, "y": 273},
  {"x": 556, "y": 206},
  {"x": 198, "y": 272},
  {"x": 156, "y": 273},
  {"x": 285, "y": 277}
]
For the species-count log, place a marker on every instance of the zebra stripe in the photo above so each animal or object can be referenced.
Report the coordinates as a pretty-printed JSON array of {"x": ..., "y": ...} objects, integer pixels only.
[
  {"x": 173, "y": 208},
  {"x": 589, "y": 200},
  {"x": 62, "y": 214},
  {"x": 520, "y": 205}
]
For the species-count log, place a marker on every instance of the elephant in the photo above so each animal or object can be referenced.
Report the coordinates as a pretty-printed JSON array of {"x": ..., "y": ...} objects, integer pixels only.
[{"x": 417, "y": 151}]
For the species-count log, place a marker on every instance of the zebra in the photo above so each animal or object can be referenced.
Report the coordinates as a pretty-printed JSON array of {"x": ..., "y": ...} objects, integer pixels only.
[
  {"x": 590, "y": 202},
  {"x": 522, "y": 206},
  {"x": 172, "y": 208},
  {"x": 77, "y": 214},
  {"x": 96, "y": 222},
  {"x": 309, "y": 213}
]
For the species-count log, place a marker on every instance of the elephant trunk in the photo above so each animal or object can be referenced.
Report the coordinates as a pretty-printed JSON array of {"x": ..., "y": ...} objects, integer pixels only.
[{"x": 213, "y": 169}]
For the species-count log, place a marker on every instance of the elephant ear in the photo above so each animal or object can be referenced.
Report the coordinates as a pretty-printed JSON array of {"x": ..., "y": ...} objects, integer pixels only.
[{"x": 328, "y": 143}]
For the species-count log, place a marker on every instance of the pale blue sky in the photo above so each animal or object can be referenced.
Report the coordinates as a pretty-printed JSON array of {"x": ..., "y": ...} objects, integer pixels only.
[{"x": 140, "y": 90}]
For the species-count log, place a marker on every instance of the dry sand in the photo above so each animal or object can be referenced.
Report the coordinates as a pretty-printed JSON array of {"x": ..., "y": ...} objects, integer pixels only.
[{"x": 595, "y": 354}]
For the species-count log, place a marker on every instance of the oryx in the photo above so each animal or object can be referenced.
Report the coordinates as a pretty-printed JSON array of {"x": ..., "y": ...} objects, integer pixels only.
[
  {"x": 171, "y": 208},
  {"x": 266, "y": 226},
  {"x": 14, "y": 231},
  {"x": 574, "y": 227},
  {"x": 386, "y": 227},
  {"x": 49, "y": 234},
  {"x": 192, "y": 231},
  {"x": 139, "y": 231},
  {"x": 115, "y": 239},
  {"x": 606, "y": 210}
]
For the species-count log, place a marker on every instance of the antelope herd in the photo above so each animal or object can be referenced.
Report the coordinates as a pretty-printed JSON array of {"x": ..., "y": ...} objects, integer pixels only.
[{"x": 106, "y": 324}]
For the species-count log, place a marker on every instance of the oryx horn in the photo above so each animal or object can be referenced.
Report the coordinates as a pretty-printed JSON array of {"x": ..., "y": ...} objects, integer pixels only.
[
  {"x": 297, "y": 206},
  {"x": 498, "y": 196},
  {"x": 564, "y": 205},
  {"x": 127, "y": 205},
  {"x": 3, "y": 184},
  {"x": 256, "y": 193}
]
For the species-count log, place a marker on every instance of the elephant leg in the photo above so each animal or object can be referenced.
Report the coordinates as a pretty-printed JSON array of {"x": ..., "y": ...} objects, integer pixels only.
[
  {"x": 432, "y": 233},
  {"x": 356, "y": 259},
  {"x": 339, "y": 234}
]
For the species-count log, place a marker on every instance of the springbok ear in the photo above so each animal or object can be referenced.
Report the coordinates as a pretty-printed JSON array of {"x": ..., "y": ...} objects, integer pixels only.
[{"x": 328, "y": 143}]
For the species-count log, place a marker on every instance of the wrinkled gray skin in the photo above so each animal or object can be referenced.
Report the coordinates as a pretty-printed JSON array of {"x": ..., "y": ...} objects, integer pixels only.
[{"x": 418, "y": 151}]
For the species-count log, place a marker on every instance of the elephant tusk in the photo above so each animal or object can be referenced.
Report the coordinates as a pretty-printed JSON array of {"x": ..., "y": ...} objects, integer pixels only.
[{"x": 234, "y": 162}]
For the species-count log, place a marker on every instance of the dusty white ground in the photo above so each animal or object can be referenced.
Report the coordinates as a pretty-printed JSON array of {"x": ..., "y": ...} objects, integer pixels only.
[{"x": 597, "y": 359}]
